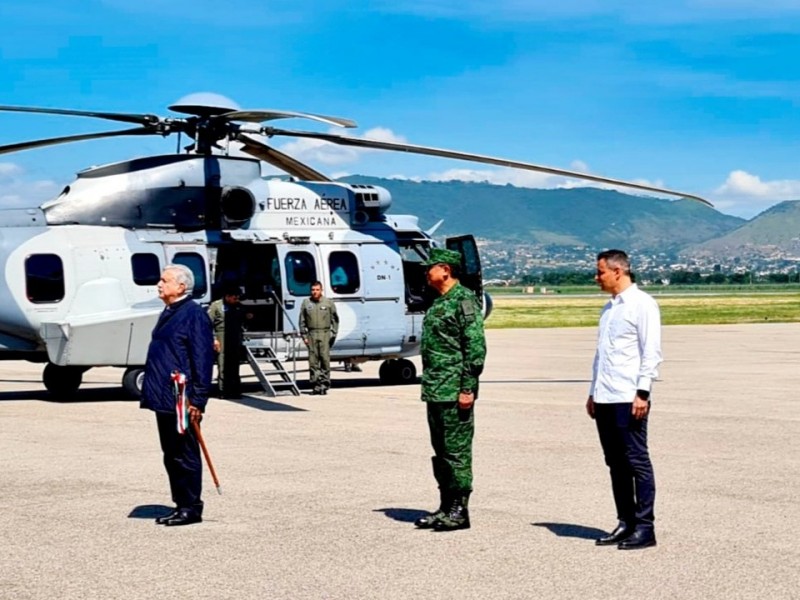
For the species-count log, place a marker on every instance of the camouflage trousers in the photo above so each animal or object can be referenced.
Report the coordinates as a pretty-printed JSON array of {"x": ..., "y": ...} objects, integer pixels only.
[
  {"x": 319, "y": 359},
  {"x": 452, "y": 430}
]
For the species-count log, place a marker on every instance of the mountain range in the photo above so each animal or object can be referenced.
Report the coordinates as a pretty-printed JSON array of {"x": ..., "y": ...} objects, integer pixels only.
[{"x": 588, "y": 217}]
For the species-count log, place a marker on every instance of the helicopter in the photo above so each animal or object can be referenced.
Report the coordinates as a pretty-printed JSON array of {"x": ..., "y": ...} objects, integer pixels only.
[{"x": 79, "y": 273}]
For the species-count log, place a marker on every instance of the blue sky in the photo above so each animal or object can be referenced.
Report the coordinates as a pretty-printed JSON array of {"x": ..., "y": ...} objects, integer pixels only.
[{"x": 695, "y": 95}]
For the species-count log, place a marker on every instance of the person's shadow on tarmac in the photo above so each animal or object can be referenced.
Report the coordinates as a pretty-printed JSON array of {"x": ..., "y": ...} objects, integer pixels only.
[
  {"x": 572, "y": 530},
  {"x": 405, "y": 515},
  {"x": 149, "y": 511}
]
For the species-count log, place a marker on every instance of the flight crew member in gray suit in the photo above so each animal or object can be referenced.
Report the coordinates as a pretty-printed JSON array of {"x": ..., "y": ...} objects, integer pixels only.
[{"x": 319, "y": 324}]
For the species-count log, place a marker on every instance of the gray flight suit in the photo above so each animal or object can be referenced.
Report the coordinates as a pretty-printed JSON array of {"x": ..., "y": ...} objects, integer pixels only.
[{"x": 319, "y": 324}]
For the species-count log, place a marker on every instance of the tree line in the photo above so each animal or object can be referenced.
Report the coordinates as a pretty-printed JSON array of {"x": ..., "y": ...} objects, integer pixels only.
[{"x": 678, "y": 277}]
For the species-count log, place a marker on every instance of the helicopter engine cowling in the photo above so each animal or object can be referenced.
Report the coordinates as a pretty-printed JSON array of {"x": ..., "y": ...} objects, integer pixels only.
[
  {"x": 237, "y": 206},
  {"x": 184, "y": 192}
]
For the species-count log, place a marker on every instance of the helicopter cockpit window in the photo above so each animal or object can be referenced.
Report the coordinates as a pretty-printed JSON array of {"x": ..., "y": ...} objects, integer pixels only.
[
  {"x": 300, "y": 273},
  {"x": 345, "y": 278},
  {"x": 146, "y": 269},
  {"x": 198, "y": 266},
  {"x": 44, "y": 278}
]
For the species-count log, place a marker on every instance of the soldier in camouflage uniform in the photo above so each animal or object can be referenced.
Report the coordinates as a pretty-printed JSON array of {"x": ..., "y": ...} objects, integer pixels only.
[
  {"x": 319, "y": 324},
  {"x": 453, "y": 352}
]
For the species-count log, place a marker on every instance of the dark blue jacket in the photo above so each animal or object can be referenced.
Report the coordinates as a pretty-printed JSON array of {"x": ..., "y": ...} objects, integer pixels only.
[{"x": 182, "y": 340}]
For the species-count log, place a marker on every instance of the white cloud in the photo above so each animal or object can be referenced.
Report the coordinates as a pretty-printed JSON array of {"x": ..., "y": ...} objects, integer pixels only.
[
  {"x": 328, "y": 153},
  {"x": 8, "y": 171},
  {"x": 746, "y": 195},
  {"x": 19, "y": 191}
]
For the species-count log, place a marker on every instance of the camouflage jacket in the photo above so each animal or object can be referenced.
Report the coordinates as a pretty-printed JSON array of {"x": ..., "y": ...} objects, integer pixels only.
[
  {"x": 316, "y": 316},
  {"x": 453, "y": 346}
]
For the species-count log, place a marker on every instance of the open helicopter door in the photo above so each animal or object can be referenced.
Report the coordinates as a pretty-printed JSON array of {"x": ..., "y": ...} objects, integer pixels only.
[{"x": 471, "y": 273}]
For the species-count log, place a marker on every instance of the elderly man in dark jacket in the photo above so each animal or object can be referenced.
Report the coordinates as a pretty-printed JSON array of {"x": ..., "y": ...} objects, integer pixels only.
[{"x": 182, "y": 341}]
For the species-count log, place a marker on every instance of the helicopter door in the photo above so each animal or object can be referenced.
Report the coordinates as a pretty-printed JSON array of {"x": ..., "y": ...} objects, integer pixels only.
[
  {"x": 343, "y": 283},
  {"x": 193, "y": 256},
  {"x": 471, "y": 274},
  {"x": 299, "y": 269}
]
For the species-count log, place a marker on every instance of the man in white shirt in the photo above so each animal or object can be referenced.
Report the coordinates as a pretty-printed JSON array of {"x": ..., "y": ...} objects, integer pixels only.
[{"x": 625, "y": 365}]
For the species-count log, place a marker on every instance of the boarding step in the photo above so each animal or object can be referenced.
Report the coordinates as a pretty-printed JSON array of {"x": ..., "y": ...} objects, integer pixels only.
[{"x": 270, "y": 371}]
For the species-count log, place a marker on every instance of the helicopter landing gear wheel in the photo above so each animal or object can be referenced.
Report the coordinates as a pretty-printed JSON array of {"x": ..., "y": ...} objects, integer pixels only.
[
  {"x": 406, "y": 372},
  {"x": 397, "y": 372},
  {"x": 62, "y": 382},
  {"x": 132, "y": 381},
  {"x": 387, "y": 372}
]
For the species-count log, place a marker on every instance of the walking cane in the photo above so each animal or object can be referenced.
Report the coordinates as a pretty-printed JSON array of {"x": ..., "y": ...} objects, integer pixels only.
[
  {"x": 182, "y": 406},
  {"x": 199, "y": 434}
]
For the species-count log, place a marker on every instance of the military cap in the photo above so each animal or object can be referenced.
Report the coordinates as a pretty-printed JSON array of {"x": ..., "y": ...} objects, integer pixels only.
[{"x": 442, "y": 256}]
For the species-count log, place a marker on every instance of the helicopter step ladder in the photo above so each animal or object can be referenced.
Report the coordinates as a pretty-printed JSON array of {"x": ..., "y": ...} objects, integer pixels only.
[{"x": 270, "y": 371}]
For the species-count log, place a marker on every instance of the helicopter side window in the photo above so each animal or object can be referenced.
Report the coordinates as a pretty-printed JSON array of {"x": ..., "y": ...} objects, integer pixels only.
[
  {"x": 44, "y": 278},
  {"x": 146, "y": 269},
  {"x": 300, "y": 273},
  {"x": 198, "y": 266},
  {"x": 345, "y": 278}
]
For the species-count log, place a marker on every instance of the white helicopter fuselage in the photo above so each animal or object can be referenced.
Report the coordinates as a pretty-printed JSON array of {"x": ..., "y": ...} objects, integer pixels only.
[{"x": 85, "y": 295}]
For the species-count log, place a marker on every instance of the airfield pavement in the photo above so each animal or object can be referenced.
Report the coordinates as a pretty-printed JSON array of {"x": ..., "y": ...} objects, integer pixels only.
[{"x": 319, "y": 493}]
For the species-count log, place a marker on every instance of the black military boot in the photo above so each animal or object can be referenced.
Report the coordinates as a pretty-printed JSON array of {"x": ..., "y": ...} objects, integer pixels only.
[
  {"x": 429, "y": 520},
  {"x": 457, "y": 516}
]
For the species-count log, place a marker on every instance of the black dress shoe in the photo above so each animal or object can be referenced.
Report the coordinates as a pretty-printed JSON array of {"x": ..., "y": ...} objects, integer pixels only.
[
  {"x": 622, "y": 532},
  {"x": 641, "y": 538},
  {"x": 163, "y": 519},
  {"x": 184, "y": 517}
]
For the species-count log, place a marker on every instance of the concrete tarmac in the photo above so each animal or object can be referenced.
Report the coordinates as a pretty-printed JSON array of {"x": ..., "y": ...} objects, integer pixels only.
[{"x": 319, "y": 493}]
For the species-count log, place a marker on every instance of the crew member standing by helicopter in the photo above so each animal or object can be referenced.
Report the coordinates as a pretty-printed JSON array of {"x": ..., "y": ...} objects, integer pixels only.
[
  {"x": 227, "y": 318},
  {"x": 319, "y": 324},
  {"x": 182, "y": 341},
  {"x": 453, "y": 353}
]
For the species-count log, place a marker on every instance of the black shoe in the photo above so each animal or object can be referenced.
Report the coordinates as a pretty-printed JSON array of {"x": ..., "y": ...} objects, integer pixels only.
[
  {"x": 316, "y": 392},
  {"x": 184, "y": 517},
  {"x": 622, "y": 532},
  {"x": 641, "y": 538},
  {"x": 163, "y": 519},
  {"x": 323, "y": 392}
]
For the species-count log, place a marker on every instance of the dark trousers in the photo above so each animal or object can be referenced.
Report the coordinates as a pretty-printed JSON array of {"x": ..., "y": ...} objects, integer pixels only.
[
  {"x": 624, "y": 442},
  {"x": 183, "y": 463},
  {"x": 452, "y": 430}
]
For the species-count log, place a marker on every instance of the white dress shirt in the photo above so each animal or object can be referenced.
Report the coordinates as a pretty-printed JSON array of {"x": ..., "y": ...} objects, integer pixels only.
[{"x": 628, "y": 347}]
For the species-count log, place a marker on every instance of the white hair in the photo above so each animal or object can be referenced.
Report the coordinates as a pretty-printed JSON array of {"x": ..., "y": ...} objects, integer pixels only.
[{"x": 184, "y": 275}]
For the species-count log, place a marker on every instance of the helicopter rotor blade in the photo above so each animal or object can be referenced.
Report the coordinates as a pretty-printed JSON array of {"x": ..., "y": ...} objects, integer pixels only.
[
  {"x": 140, "y": 119},
  {"x": 278, "y": 159},
  {"x": 259, "y": 116},
  {"x": 480, "y": 158},
  {"x": 19, "y": 146}
]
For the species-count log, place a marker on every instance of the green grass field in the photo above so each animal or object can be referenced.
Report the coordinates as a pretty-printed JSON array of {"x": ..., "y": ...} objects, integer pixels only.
[{"x": 689, "y": 309}]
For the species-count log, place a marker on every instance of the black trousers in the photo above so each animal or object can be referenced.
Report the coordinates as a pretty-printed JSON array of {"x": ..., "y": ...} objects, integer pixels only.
[
  {"x": 183, "y": 463},
  {"x": 624, "y": 442}
]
